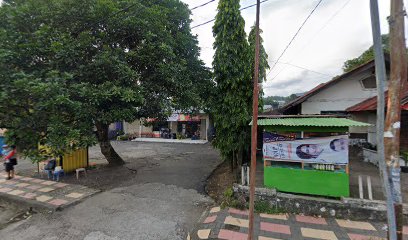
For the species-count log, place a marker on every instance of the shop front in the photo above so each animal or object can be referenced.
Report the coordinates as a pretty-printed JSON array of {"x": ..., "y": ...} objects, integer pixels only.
[
  {"x": 307, "y": 155},
  {"x": 177, "y": 126}
]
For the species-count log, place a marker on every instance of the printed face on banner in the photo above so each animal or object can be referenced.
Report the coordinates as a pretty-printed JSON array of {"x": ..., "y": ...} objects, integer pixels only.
[{"x": 330, "y": 150}]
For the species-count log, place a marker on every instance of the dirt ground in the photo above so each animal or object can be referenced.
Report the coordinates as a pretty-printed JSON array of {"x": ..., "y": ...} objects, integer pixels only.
[{"x": 220, "y": 180}]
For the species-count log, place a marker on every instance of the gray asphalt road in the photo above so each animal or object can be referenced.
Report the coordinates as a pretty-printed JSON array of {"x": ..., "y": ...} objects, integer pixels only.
[{"x": 163, "y": 200}]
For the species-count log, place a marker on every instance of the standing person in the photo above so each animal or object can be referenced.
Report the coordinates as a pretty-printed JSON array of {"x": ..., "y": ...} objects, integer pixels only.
[{"x": 10, "y": 160}]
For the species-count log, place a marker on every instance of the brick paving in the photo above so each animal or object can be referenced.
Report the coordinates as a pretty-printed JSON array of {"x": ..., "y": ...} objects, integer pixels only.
[
  {"x": 232, "y": 224},
  {"x": 43, "y": 193}
]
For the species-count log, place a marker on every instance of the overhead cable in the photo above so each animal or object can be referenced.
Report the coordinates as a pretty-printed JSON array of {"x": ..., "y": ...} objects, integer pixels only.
[
  {"x": 212, "y": 20},
  {"x": 294, "y": 36},
  {"x": 202, "y": 5}
]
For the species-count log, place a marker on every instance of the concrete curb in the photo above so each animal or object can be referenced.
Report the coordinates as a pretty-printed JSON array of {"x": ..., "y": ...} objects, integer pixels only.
[
  {"x": 192, "y": 234},
  {"x": 42, "y": 205},
  {"x": 346, "y": 208}
]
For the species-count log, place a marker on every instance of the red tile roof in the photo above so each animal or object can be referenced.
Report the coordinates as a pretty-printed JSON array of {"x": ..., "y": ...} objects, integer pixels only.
[{"x": 370, "y": 104}]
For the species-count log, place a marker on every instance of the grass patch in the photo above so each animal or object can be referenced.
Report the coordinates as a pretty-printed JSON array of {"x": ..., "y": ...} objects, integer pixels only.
[
  {"x": 230, "y": 201},
  {"x": 265, "y": 207}
]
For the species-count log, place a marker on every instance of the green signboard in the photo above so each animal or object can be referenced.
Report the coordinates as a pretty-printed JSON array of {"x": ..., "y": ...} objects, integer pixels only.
[{"x": 314, "y": 182}]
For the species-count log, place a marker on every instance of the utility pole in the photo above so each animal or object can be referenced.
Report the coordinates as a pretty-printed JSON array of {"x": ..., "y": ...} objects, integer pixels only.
[
  {"x": 398, "y": 76},
  {"x": 381, "y": 77},
  {"x": 254, "y": 128}
]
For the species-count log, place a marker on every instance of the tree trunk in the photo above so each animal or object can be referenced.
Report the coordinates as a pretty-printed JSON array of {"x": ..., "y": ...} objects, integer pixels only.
[
  {"x": 240, "y": 157},
  {"x": 106, "y": 148}
]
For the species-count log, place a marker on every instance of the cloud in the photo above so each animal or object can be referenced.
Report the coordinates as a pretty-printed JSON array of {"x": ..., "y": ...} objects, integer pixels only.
[{"x": 323, "y": 45}]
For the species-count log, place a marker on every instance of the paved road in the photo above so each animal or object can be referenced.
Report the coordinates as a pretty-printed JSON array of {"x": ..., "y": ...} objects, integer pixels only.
[{"x": 162, "y": 201}]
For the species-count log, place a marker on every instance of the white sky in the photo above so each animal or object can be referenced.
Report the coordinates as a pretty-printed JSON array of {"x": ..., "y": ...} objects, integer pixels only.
[{"x": 322, "y": 45}]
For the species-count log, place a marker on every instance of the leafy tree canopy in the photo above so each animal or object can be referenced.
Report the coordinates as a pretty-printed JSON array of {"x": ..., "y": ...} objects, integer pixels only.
[
  {"x": 367, "y": 55},
  {"x": 69, "y": 66},
  {"x": 233, "y": 66},
  {"x": 232, "y": 105}
]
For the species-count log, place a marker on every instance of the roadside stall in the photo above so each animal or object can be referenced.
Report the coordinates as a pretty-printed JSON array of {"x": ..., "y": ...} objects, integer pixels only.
[
  {"x": 307, "y": 155},
  {"x": 69, "y": 162}
]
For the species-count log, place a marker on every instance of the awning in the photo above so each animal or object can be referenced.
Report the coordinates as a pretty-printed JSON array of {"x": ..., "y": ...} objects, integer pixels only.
[
  {"x": 404, "y": 107},
  {"x": 311, "y": 122},
  {"x": 175, "y": 117}
]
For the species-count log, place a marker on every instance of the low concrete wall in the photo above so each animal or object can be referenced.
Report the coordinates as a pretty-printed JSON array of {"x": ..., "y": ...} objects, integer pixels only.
[
  {"x": 371, "y": 156},
  {"x": 346, "y": 208}
]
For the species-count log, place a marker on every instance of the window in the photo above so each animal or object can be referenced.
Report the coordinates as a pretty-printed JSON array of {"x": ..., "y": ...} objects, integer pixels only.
[{"x": 369, "y": 82}]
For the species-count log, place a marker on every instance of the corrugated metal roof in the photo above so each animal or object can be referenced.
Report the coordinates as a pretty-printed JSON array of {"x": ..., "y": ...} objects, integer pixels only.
[
  {"x": 370, "y": 104},
  {"x": 311, "y": 122}
]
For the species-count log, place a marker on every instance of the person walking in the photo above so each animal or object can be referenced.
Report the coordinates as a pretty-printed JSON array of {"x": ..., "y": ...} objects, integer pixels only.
[{"x": 10, "y": 160}]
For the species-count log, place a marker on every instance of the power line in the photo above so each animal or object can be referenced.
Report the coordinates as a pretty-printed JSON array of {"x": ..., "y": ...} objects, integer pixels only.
[
  {"x": 294, "y": 36},
  {"x": 212, "y": 20},
  {"x": 266, "y": 87},
  {"x": 311, "y": 39},
  {"x": 202, "y": 5},
  {"x": 202, "y": 24},
  {"x": 307, "y": 69}
]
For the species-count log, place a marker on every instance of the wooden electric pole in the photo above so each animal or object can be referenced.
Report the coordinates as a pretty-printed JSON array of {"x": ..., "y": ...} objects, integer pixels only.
[
  {"x": 398, "y": 76},
  {"x": 254, "y": 128}
]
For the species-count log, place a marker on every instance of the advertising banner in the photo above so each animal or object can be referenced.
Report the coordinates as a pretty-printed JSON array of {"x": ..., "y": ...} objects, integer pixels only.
[
  {"x": 175, "y": 117},
  {"x": 273, "y": 137},
  {"x": 327, "y": 150}
]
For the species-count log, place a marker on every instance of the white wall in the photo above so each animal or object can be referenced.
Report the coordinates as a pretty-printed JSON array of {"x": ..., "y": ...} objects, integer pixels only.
[
  {"x": 134, "y": 128},
  {"x": 340, "y": 96},
  {"x": 367, "y": 117}
]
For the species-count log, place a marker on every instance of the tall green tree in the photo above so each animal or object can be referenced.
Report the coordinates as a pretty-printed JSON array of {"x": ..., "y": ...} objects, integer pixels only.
[
  {"x": 232, "y": 105},
  {"x": 263, "y": 60},
  {"x": 367, "y": 55},
  {"x": 67, "y": 67}
]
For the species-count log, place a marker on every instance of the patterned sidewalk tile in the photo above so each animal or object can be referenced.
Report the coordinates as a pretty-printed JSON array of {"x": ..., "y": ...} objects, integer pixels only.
[
  {"x": 74, "y": 195},
  {"x": 236, "y": 222},
  {"x": 10, "y": 182},
  {"x": 16, "y": 192},
  {"x": 277, "y": 228},
  {"x": 46, "y": 189},
  {"x": 312, "y": 220},
  {"x": 215, "y": 209},
  {"x": 37, "y": 180},
  {"x": 353, "y": 236},
  {"x": 34, "y": 187},
  {"x": 237, "y": 211},
  {"x": 58, "y": 202},
  {"x": 29, "y": 195},
  {"x": 318, "y": 234},
  {"x": 57, "y": 194},
  {"x": 231, "y": 235},
  {"x": 210, "y": 219},
  {"x": 233, "y": 224},
  {"x": 27, "y": 179},
  {"x": 203, "y": 233},
  {"x": 274, "y": 216},
  {"x": 43, "y": 198},
  {"x": 48, "y": 183},
  {"x": 267, "y": 238},
  {"x": 355, "y": 225},
  {"x": 22, "y": 185},
  {"x": 60, "y": 185},
  {"x": 4, "y": 190}
]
